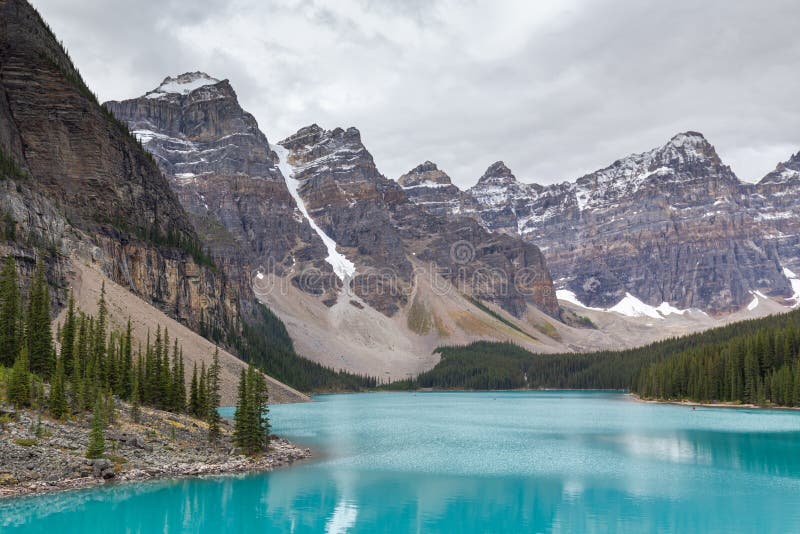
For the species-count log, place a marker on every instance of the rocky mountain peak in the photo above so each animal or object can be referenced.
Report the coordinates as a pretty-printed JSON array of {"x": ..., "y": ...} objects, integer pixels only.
[
  {"x": 687, "y": 147},
  {"x": 425, "y": 174},
  {"x": 785, "y": 172},
  {"x": 182, "y": 85},
  {"x": 497, "y": 173}
]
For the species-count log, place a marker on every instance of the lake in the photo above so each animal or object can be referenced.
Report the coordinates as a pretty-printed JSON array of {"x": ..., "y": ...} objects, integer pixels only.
[{"x": 457, "y": 462}]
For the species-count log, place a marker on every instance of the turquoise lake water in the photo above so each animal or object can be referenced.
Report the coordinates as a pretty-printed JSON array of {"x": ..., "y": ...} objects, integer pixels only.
[{"x": 475, "y": 462}]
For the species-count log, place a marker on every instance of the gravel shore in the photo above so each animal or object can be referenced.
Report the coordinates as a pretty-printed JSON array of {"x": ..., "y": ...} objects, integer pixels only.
[{"x": 39, "y": 456}]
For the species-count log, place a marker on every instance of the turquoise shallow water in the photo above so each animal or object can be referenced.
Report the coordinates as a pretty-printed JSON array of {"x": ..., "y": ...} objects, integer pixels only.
[{"x": 475, "y": 462}]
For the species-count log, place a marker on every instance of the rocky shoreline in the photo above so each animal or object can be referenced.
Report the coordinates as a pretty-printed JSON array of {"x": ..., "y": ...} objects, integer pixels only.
[{"x": 40, "y": 455}]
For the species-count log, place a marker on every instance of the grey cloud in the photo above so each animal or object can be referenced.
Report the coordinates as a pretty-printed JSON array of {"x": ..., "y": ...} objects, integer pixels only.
[{"x": 555, "y": 89}]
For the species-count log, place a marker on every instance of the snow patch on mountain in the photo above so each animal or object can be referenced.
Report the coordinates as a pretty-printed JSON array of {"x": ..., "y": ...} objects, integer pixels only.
[
  {"x": 630, "y": 306},
  {"x": 344, "y": 268},
  {"x": 794, "y": 280},
  {"x": 182, "y": 85},
  {"x": 633, "y": 307},
  {"x": 431, "y": 185},
  {"x": 568, "y": 296}
]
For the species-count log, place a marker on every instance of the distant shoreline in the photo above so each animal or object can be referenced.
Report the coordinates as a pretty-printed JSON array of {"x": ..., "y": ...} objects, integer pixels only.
[{"x": 688, "y": 403}]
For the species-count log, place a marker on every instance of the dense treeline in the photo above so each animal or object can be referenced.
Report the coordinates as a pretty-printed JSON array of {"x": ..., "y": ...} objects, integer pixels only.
[
  {"x": 755, "y": 361},
  {"x": 94, "y": 366},
  {"x": 757, "y": 367}
]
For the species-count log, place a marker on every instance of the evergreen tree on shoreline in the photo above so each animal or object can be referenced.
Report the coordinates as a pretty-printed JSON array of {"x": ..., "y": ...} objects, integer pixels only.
[
  {"x": 97, "y": 444},
  {"x": 251, "y": 421},
  {"x": 212, "y": 404}
]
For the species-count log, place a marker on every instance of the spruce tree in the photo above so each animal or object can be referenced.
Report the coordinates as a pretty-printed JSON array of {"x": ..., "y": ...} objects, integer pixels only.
[
  {"x": 261, "y": 400},
  {"x": 19, "y": 383},
  {"x": 9, "y": 313},
  {"x": 68, "y": 335},
  {"x": 165, "y": 376},
  {"x": 58, "y": 399},
  {"x": 178, "y": 388},
  {"x": 127, "y": 363},
  {"x": 194, "y": 402},
  {"x": 135, "y": 401},
  {"x": 241, "y": 414},
  {"x": 97, "y": 443},
  {"x": 213, "y": 385},
  {"x": 38, "y": 326},
  {"x": 202, "y": 392},
  {"x": 251, "y": 422}
]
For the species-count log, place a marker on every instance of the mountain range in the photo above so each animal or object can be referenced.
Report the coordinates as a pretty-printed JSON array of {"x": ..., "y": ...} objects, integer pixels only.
[
  {"x": 266, "y": 247},
  {"x": 671, "y": 227},
  {"x": 360, "y": 258}
]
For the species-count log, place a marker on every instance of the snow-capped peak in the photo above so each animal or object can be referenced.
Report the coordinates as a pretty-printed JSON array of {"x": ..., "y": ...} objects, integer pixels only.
[
  {"x": 688, "y": 139},
  {"x": 182, "y": 84}
]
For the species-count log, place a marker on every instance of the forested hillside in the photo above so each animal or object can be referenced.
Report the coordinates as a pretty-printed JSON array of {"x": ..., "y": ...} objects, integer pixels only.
[{"x": 756, "y": 361}]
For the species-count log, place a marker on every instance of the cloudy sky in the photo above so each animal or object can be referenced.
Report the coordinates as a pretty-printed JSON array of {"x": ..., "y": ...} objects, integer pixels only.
[{"x": 553, "y": 88}]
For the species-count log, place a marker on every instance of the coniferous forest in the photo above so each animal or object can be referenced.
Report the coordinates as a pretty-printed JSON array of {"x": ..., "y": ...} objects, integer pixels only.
[
  {"x": 89, "y": 367},
  {"x": 755, "y": 361}
]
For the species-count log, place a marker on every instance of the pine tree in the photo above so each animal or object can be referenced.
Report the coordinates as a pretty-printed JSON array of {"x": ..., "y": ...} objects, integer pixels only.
[
  {"x": 9, "y": 313},
  {"x": 194, "y": 402},
  {"x": 19, "y": 383},
  {"x": 99, "y": 347},
  {"x": 178, "y": 388},
  {"x": 38, "y": 326},
  {"x": 127, "y": 363},
  {"x": 202, "y": 392},
  {"x": 97, "y": 443},
  {"x": 213, "y": 397},
  {"x": 251, "y": 422},
  {"x": 110, "y": 407},
  {"x": 136, "y": 412},
  {"x": 260, "y": 400},
  {"x": 241, "y": 414},
  {"x": 68, "y": 336},
  {"x": 165, "y": 378},
  {"x": 58, "y": 399}
]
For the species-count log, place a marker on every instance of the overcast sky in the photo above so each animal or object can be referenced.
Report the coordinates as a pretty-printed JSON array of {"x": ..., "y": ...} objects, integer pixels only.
[{"x": 554, "y": 89}]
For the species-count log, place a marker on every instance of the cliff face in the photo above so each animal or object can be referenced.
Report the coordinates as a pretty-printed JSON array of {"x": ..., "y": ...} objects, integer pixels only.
[
  {"x": 381, "y": 231},
  {"x": 775, "y": 203},
  {"x": 225, "y": 174},
  {"x": 431, "y": 188},
  {"x": 86, "y": 186},
  {"x": 229, "y": 178},
  {"x": 670, "y": 225}
]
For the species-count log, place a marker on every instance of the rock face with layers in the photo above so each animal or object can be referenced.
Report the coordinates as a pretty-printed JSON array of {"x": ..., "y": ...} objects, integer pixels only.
[
  {"x": 673, "y": 224},
  {"x": 431, "y": 188},
  {"x": 378, "y": 228},
  {"x": 258, "y": 201},
  {"x": 225, "y": 173},
  {"x": 82, "y": 183}
]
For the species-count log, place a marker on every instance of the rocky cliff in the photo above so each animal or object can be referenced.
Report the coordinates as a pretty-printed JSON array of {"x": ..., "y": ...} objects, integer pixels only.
[
  {"x": 338, "y": 250},
  {"x": 382, "y": 232},
  {"x": 222, "y": 168},
  {"x": 428, "y": 186},
  {"x": 672, "y": 225},
  {"x": 76, "y": 182}
]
